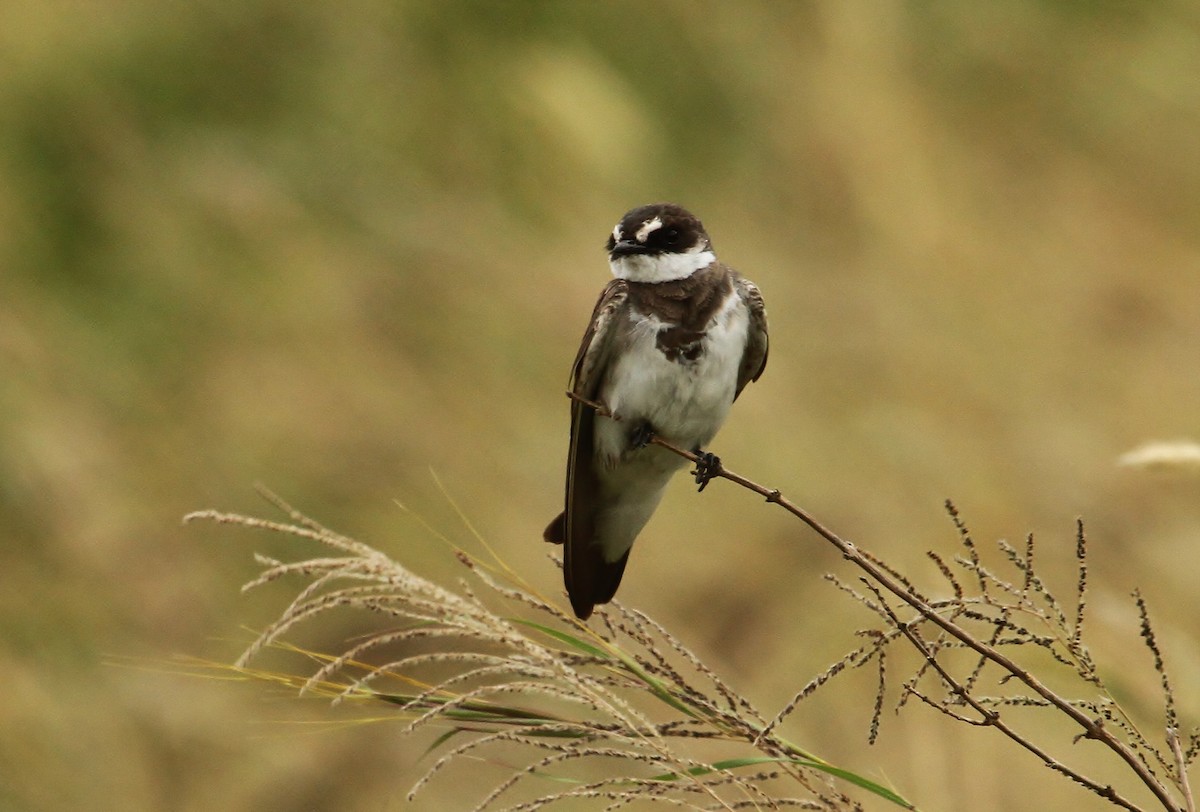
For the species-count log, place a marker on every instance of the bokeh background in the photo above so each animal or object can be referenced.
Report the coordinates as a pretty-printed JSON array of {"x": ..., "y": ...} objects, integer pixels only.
[{"x": 334, "y": 248}]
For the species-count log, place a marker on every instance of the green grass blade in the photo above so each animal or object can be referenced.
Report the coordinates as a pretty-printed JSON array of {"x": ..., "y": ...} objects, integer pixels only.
[
  {"x": 845, "y": 775},
  {"x": 657, "y": 687},
  {"x": 563, "y": 637}
]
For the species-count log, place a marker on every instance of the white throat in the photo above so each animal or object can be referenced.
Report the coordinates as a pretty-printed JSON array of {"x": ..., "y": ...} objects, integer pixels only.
[{"x": 661, "y": 267}]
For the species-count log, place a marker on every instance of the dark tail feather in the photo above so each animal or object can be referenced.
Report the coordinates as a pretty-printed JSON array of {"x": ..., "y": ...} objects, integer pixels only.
[
  {"x": 590, "y": 579},
  {"x": 556, "y": 531}
]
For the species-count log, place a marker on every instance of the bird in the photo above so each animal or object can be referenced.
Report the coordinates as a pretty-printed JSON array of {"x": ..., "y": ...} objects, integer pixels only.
[{"x": 674, "y": 339}]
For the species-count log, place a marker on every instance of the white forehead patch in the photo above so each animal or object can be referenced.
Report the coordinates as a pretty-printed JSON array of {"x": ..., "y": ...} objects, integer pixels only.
[
  {"x": 617, "y": 232},
  {"x": 648, "y": 226}
]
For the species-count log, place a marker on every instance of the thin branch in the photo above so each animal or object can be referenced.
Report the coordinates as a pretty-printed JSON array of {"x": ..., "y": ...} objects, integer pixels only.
[
  {"x": 989, "y": 717},
  {"x": 1092, "y": 728},
  {"x": 1181, "y": 767}
]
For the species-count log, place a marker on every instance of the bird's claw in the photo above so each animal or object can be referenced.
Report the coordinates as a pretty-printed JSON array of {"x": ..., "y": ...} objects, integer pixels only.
[
  {"x": 708, "y": 467},
  {"x": 642, "y": 435}
]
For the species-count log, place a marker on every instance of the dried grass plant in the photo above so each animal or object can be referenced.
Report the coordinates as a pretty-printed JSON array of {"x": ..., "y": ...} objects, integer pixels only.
[
  {"x": 616, "y": 712},
  {"x": 621, "y": 712}
]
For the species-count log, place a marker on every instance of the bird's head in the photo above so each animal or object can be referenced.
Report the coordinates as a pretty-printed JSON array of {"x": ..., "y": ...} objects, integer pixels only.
[{"x": 658, "y": 243}]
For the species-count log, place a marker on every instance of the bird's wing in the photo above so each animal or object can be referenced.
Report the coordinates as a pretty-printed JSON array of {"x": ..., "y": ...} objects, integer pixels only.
[
  {"x": 594, "y": 350},
  {"x": 754, "y": 357},
  {"x": 586, "y": 573}
]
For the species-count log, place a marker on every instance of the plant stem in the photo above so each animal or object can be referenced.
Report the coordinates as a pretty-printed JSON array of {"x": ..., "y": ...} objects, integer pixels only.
[{"x": 1092, "y": 728}]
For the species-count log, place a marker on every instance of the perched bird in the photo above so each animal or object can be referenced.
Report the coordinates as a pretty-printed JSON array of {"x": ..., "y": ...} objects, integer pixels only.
[{"x": 674, "y": 339}]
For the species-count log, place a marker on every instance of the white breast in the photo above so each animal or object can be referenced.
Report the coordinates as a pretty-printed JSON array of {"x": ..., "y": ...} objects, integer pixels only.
[{"x": 686, "y": 403}]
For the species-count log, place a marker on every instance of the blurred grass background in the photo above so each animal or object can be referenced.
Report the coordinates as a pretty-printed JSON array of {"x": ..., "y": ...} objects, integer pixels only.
[{"x": 332, "y": 247}]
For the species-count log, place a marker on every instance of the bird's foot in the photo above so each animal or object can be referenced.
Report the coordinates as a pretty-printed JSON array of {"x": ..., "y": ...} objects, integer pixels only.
[
  {"x": 642, "y": 435},
  {"x": 708, "y": 467}
]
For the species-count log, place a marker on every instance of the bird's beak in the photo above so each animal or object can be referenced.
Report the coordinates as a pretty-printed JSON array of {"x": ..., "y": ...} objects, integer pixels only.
[{"x": 625, "y": 248}]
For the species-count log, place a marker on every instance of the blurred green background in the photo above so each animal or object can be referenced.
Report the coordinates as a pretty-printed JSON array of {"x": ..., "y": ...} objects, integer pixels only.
[{"x": 333, "y": 247}]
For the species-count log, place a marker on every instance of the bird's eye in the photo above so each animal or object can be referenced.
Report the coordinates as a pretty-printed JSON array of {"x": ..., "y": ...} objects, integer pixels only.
[{"x": 670, "y": 236}]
